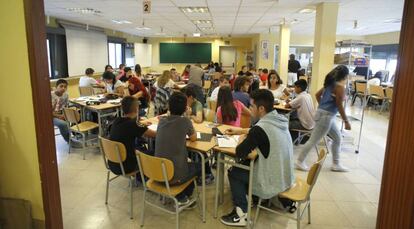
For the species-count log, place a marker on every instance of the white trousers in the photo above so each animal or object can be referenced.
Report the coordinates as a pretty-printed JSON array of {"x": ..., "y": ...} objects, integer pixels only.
[{"x": 292, "y": 78}]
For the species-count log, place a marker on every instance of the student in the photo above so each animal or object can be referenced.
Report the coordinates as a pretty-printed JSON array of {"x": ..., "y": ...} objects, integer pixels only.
[
  {"x": 164, "y": 87},
  {"x": 194, "y": 107},
  {"x": 241, "y": 87},
  {"x": 217, "y": 67},
  {"x": 273, "y": 169},
  {"x": 293, "y": 69},
  {"x": 330, "y": 99},
  {"x": 165, "y": 81},
  {"x": 229, "y": 111},
  {"x": 302, "y": 118},
  {"x": 275, "y": 85},
  {"x": 127, "y": 74},
  {"x": 138, "y": 71},
  {"x": 108, "y": 68},
  {"x": 112, "y": 85},
  {"x": 174, "y": 128},
  {"x": 174, "y": 75},
  {"x": 224, "y": 81},
  {"x": 88, "y": 80},
  {"x": 121, "y": 72},
  {"x": 255, "y": 85},
  {"x": 243, "y": 71},
  {"x": 59, "y": 101},
  {"x": 126, "y": 130},
  {"x": 186, "y": 72},
  {"x": 264, "y": 76},
  {"x": 196, "y": 81},
  {"x": 137, "y": 89}
]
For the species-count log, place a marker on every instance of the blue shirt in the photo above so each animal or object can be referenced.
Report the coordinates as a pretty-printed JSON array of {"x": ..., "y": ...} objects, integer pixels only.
[
  {"x": 328, "y": 100},
  {"x": 243, "y": 97}
]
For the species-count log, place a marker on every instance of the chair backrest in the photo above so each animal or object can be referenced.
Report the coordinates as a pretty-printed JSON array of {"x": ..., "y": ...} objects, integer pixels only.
[
  {"x": 153, "y": 167},
  {"x": 212, "y": 105},
  {"x": 315, "y": 170},
  {"x": 388, "y": 92},
  {"x": 376, "y": 90},
  {"x": 217, "y": 75},
  {"x": 86, "y": 91},
  {"x": 303, "y": 78},
  {"x": 113, "y": 151},
  {"x": 209, "y": 115},
  {"x": 360, "y": 87},
  {"x": 245, "y": 121},
  {"x": 71, "y": 115},
  {"x": 207, "y": 84}
]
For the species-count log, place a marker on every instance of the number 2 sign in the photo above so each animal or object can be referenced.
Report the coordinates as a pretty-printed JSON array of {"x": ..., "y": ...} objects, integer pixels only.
[{"x": 147, "y": 6}]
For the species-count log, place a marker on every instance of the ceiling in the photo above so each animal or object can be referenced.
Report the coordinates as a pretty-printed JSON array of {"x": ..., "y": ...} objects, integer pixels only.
[{"x": 228, "y": 17}]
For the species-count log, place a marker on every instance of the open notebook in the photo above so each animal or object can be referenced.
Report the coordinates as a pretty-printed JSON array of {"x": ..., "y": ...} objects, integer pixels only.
[{"x": 225, "y": 141}]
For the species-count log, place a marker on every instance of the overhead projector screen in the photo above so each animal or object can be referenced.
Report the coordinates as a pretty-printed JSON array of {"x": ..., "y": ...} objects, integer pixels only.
[
  {"x": 86, "y": 49},
  {"x": 143, "y": 54}
]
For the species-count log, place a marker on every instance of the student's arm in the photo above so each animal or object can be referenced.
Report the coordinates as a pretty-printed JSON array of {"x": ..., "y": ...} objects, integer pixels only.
[
  {"x": 219, "y": 116},
  {"x": 238, "y": 131},
  {"x": 246, "y": 111},
  {"x": 318, "y": 95},
  {"x": 138, "y": 94},
  {"x": 150, "y": 133},
  {"x": 339, "y": 98},
  {"x": 286, "y": 92},
  {"x": 120, "y": 91},
  {"x": 198, "y": 118},
  {"x": 255, "y": 138},
  {"x": 295, "y": 103},
  {"x": 192, "y": 134}
]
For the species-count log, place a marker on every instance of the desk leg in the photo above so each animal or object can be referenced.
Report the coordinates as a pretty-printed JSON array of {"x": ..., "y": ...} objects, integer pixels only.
[
  {"x": 249, "y": 200},
  {"x": 203, "y": 181},
  {"x": 220, "y": 157},
  {"x": 219, "y": 178},
  {"x": 99, "y": 123}
]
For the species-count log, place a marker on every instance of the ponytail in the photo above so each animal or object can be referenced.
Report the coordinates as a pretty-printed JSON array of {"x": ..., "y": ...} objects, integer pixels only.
[{"x": 339, "y": 73}]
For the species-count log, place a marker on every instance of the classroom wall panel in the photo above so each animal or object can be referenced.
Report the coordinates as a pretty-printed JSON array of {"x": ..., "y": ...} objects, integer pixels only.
[{"x": 143, "y": 54}]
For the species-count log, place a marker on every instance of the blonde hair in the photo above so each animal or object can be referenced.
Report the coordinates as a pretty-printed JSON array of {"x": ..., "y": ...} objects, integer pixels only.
[{"x": 164, "y": 78}]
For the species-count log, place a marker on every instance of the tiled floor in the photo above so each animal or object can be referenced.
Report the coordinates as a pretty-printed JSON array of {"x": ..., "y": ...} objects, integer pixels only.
[{"x": 340, "y": 200}]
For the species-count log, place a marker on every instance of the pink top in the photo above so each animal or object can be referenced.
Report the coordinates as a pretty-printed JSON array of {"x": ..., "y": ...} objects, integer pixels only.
[{"x": 239, "y": 108}]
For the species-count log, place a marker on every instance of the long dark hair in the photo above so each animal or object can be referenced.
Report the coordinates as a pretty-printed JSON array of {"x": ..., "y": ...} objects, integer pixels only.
[
  {"x": 239, "y": 82},
  {"x": 138, "y": 69},
  {"x": 278, "y": 80},
  {"x": 337, "y": 74},
  {"x": 108, "y": 66},
  {"x": 110, "y": 76},
  {"x": 225, "y": 101}
]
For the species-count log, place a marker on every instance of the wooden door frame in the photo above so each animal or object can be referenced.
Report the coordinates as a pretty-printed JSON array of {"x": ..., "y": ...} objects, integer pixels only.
[{"x": 45, "y": 137}]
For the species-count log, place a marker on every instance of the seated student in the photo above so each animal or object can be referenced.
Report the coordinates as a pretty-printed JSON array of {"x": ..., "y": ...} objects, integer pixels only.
[
  {"x": 264, "y": 76},
  {"x": 138, "y": 71},
  {"x": 229, "y": 111},
  {"x": 165, "y": 81},
  {"x": 88, "y": 80},
  {"x": 174, "y": 75},
  {"x": 173, "y": 129},
  {"x": 194, "y": 107},
  {"x": 241, "y": 87},
  {"x": 164, "y": 90},
  {"x": 302, "y": 118},
  {"x": 224, "y": 81},
  {"x": 273, "y": 169},
  {"x": 126, "y": 130},
  {"x": 186, "y": 73},
  {"x": 255, "y": 85},
  {"x": 217, "y": 68},
  {"x": 108, "y": 68},
  {"x": 121, "y": 71},
  {"x": 243, "y": 71},
  {"x": 275, "y": 85},
  {"x": 137, "y": 89},
  {"x": 60, "y": 100},
  {"x": 127, "y": 74},
  {"x": 112, "y": 85}
]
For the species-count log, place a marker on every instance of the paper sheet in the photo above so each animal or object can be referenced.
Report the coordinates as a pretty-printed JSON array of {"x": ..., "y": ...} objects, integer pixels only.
[
  {"x": 225, "y": 141},
  {"x": 153, "y": 127},
  {"x": 198, "y": 136}
]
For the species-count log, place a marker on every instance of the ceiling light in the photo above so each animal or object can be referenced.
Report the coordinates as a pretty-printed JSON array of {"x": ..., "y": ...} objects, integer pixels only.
[
  {"x": 196, "y": 34},
  {"x": 84, "y": 10},
  {"x": 121, "y": 22},
  {"x": 392, "y": 21},
  {"x": 207, "y": 28},
  {"x": 142, "y": 28},
  {"x": 202, "y": 22},
  {"x": 194, "y": 9},
  {"x": 294, "y": 21},
  {"x": 307, "y": 11}
]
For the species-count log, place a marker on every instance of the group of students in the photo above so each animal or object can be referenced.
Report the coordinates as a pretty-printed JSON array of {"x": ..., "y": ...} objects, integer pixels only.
[{"x": 269, "y": 134}]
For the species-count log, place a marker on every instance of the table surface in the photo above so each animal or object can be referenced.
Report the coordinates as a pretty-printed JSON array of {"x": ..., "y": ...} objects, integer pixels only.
[{"x": 102, "y": 106}]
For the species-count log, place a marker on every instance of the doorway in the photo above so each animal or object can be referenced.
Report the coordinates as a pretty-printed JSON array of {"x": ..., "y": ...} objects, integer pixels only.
[{"x": 228, "y": 58}]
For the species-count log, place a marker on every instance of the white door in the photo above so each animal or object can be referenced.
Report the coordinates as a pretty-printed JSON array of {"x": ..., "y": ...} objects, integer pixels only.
[{"x": 228, "y": 58}]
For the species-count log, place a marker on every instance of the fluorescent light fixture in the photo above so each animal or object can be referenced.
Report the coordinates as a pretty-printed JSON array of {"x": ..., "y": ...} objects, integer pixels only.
[
  {"x": 84, "y": 10},
  {"x": 121, "y": 22},
  {"x": 194, "y": 9},
  {"x": 207, "y": 28},
  {"x": 307, "y": 11},
  {"x": 294, "y": 21},
  {"x": 392, "y": 21},
  {"x": 202, "y": 22},
  {"x": 143, "y": 28},
  {"x": 196, "y": 34}
]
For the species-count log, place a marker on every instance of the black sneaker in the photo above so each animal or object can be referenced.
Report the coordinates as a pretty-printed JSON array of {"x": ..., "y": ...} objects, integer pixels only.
[
  {"x": 183, "y": 201},
  {"x": 236, "y": 218}
]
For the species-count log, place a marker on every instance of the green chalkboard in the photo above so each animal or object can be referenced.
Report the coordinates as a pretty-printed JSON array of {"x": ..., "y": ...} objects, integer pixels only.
[{"x": 185, "y": 53}]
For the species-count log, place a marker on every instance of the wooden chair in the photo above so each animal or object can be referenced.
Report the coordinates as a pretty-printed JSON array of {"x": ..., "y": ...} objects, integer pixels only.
[
  {"x": 245, "y": 121},
  {"x": 116, "y": 152},
  {"x": 376, "y": 93},
  {"x": 303, "y": 78},
  {"x": 206, "y": 87},
  {"x": 212, "y": 105},
  {"x": 72, "y": 118},
  {"x": 209, "y": 115},
  {"x": 86, "y": 91},
  {"x": 300, "y": 192},
  {"x": 388, "y": 97},
  {"x": 160, "y": 171},
  {"x": 360, "y": 92}
]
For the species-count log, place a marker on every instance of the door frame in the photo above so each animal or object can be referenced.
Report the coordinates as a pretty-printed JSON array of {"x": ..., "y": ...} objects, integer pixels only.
[{"x": 235, "y": 54}]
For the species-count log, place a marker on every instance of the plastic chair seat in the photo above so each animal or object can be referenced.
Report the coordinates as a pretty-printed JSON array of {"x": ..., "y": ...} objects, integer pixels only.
[
  {"x": 84, "y": 126},
  {"x": 298, "y": 192},
  {"x": 160, "y": 187}
]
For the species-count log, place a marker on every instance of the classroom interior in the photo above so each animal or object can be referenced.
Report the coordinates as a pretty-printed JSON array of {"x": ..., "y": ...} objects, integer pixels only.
[{"x": 47, "y": 183}]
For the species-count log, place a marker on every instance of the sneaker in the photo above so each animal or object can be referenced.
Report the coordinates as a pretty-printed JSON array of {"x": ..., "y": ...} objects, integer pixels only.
[
  {"x": 191, "y": 206},
  {"x": 183, "y": 201},
  {"x": 337, "y": 167},
  {"x": 235, "y": 218},
  {"x": 301, "y": 166},
  {"x": 209, "y": 180}
]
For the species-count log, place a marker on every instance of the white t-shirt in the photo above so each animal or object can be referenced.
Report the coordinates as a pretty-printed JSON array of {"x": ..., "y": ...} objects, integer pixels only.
[
  {"x": 303, "y": 104},
  {"x": 278, "y": 92},
  {"x": 117, "y": 84},
  {"x": 169, "y": 84},
  {"x": 86, "y": 81},
  {"x": 214, "y": 94}
]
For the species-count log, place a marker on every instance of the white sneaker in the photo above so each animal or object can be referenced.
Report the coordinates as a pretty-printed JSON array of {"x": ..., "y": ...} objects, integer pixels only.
[
  {"x": 301, "y": 166},
  {"x": 236, "y": 218},
  {"x": 337, "y": 167}
]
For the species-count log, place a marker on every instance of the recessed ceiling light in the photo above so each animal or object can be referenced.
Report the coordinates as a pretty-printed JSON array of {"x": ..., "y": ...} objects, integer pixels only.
[
  {"x": 394, "y": 20},
  {"x": 196, "y": 34},
  {"x": 202, "y": 22},
  {"x": 194, "y": 9},
  {"x": 121, "y": 22},
  {"x": 307, "y": 11},
  {"x": 207, "y": 28},
  {"x": 84, "y": 10},
  {"x": 142, "y": 28}
]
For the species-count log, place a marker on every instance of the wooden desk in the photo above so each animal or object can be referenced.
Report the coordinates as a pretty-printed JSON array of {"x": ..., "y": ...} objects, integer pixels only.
[{"x": 281, "y": 107}]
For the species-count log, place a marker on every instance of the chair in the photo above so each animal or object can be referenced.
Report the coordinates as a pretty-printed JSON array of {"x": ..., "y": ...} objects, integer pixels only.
[
  {"x": 300, "y": 192},
  {"x": 116, "y": 152},
  {"x": 377, "y": 93},
  {"x": 206, "y": 86},
  {"x": 360, "y": 92},
  {"x": 86, "y": 91},
  {"x": 303, "y": 133},
  {"x": 72, "y": 117},
  {"x": 209, "y": 115},
  {"x": 245, "y": 121},
  {"x": 212, "y": 105},
  {"x": 303, "y": 78},
  {"x": 388, "y": 97},
  {"x": 160, "y": 171}
]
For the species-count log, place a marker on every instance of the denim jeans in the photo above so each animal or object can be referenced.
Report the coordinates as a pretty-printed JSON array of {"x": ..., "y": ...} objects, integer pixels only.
[
  {"x": 63, "y": 128},
  {"x": 324, "y": 124},
  {"x": 239, "y": 184}
]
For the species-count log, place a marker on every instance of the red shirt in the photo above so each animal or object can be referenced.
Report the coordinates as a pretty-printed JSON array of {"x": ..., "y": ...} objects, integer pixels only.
[{"x": 263, "y": 77}]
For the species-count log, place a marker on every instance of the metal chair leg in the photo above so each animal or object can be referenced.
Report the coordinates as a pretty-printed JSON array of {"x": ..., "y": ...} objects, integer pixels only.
[
  {"x": 257, "y": 212},
  {"x": 131, "y": 199},
  {"x": 83, "y": 145},
  {"x": 177, "y": 214},
  {"x": 309, "y": 212},
  {"x": 143, "y": 208},
  {"x": 107, "y": 187},
  {"x": 298, "y": 218}
]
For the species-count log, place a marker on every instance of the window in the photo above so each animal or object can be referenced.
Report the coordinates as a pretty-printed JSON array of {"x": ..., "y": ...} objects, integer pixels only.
[
  {"x": 392, "y": 66},
  {"x": 378, "y": 65},
  {"x": 129, "y": 54},
  {"x": 115, "y": 54},
  {"x": 49, "y": 61}
]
